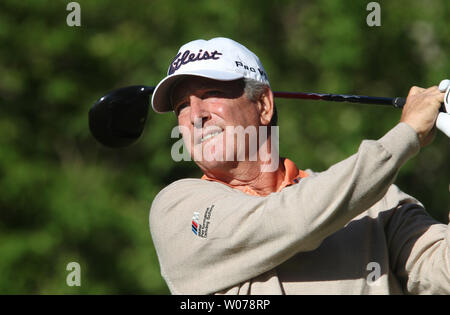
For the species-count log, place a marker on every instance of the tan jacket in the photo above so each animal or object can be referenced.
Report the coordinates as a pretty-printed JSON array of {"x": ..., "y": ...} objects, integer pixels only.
[{"x": 346, "y": 230}]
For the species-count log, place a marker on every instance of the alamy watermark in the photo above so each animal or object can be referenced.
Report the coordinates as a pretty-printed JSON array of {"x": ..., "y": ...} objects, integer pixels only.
[
  {"x": 374, "y": 275},
  {"x": 374, "y": 17},
  {"x": 74, "y": 17},
  {"x": 74, "y": 276}
]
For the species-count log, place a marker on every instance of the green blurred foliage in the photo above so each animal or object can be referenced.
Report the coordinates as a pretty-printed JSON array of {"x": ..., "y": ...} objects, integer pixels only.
[{"x": 66, "y": 198}]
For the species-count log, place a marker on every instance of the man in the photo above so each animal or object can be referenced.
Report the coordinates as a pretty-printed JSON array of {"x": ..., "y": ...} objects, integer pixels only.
[{"x": 247, "y": 227}]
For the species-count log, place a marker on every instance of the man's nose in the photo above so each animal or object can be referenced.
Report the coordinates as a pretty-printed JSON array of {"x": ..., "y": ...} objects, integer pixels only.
[{"x": 199, "y": 111}]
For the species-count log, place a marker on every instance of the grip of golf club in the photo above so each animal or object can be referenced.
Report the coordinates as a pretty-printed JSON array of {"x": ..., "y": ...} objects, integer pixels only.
[{"x": 399, "y": 102}]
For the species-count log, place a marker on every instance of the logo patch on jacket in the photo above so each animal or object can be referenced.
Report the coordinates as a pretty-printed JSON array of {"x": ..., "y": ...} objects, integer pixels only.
[
  {"x": 195, "y": 219},
  {"x": 198, "y": 229}
]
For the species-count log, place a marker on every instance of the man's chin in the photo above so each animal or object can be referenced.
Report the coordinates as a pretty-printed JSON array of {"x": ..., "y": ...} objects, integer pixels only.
[{"x": 212, "y": 152}]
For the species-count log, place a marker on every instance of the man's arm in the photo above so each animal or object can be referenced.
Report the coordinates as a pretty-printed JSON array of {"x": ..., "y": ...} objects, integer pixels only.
[
  {"x": 419, "y": 247},
  {"x": 247, "y": 235}
]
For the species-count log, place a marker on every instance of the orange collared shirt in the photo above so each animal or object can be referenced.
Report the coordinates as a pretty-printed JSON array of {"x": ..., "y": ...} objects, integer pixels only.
[{"x": 292, "y": 176}]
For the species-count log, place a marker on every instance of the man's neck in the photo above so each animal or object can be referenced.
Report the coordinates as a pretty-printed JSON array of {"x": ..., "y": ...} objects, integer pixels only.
[{"x": 254, "y": 175}]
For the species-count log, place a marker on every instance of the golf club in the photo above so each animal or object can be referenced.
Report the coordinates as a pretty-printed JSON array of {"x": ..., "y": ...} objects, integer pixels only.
[{"x": 118, "y": 118}]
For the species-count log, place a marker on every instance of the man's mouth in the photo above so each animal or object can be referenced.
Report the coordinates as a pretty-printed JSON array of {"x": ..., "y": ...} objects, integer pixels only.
[{"x": 210, "y": 135}]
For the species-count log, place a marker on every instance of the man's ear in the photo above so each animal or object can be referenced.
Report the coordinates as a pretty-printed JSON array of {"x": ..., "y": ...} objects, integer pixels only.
[{"x": 266, "y": 107}]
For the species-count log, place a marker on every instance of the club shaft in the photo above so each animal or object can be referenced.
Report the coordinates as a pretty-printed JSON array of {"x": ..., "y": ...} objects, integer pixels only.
[{"x": 396, "y": 101}]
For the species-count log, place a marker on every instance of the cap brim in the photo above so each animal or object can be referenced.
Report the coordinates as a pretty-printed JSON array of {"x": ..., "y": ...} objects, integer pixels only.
[{"x": 161, "y": 94}]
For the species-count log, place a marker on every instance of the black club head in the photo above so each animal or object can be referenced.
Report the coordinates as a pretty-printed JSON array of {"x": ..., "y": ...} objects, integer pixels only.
[{"x": 118, "y": 119}]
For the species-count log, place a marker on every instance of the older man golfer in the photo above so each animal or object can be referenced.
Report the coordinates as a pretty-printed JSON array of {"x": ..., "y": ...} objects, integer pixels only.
[{"x": 256, "y": 224}]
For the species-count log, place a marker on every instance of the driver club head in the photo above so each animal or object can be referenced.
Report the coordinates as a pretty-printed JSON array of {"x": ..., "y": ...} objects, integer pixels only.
[{"x": 118, "y": 118}]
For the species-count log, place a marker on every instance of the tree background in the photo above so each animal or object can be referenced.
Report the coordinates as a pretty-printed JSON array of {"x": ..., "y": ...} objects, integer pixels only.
[{"x": 64, "y": 197}]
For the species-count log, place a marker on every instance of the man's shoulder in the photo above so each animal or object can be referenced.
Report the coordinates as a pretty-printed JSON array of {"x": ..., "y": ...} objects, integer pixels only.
[
  {"x": 187, "y": 193},
  {"x": 185, "y": 186},
  {"x": 184, "y": 183}
]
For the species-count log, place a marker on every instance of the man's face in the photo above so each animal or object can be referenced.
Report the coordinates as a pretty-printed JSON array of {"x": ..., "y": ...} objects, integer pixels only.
[{"x": 208, "y": 112}]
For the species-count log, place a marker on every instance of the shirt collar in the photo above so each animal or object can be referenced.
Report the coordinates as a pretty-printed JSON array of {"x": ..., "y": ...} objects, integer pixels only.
[{"x": 292, "y": 176}]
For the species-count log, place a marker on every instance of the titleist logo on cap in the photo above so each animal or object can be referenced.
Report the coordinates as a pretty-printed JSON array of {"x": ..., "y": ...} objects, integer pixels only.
[{"x": 187, "y": 57}]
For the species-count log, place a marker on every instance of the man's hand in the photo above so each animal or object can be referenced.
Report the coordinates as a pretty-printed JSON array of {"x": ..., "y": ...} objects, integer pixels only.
[{"x": 421, "y": 111}]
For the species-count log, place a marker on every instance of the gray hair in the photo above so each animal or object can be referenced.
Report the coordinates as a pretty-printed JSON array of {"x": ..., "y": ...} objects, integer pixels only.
[{"x": 254, "y": 90}]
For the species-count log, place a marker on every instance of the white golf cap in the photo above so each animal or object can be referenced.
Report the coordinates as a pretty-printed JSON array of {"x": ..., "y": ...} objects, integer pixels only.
[{"x": 220, "y": 59}]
